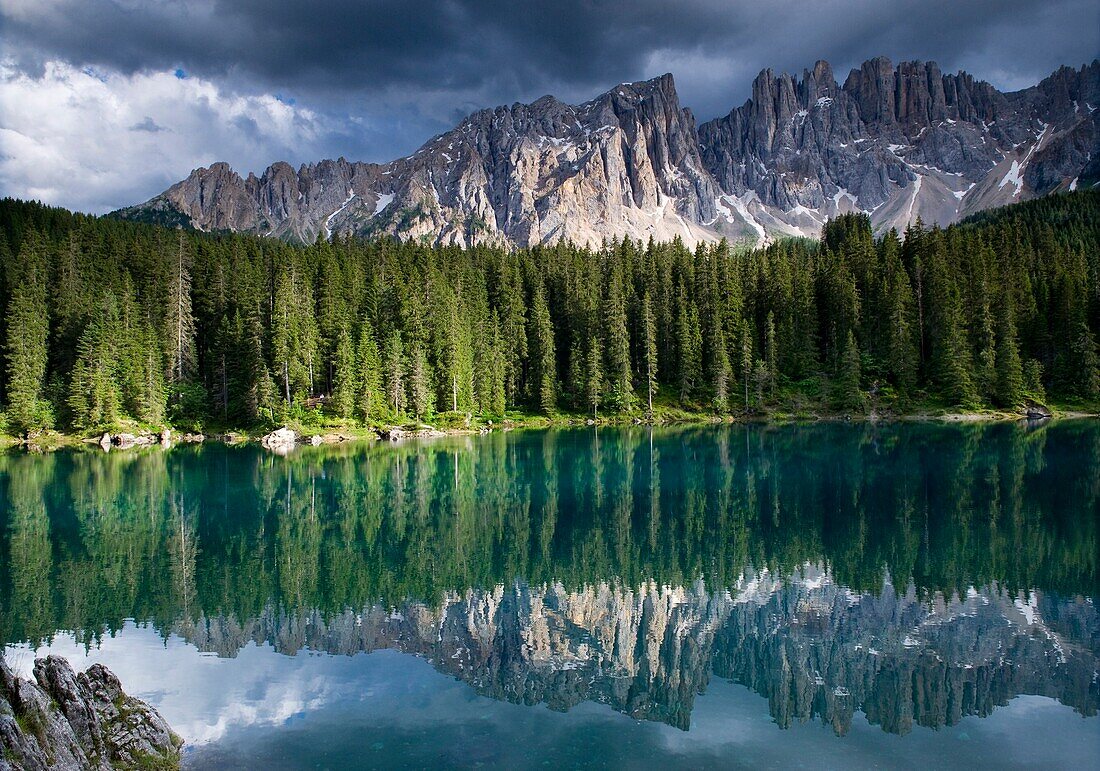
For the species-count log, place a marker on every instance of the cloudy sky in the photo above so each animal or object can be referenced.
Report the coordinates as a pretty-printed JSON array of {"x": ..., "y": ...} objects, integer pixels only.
[{"x": 104, "y": 103}]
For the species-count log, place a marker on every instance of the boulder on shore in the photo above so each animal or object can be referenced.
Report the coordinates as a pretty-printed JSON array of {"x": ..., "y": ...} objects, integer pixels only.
[
  {"x": 280, "y": 440},
  {"x": 72, "y": 722},
  {"x": 126, "y": 441},
  {"x": 1033, "y": 410}
]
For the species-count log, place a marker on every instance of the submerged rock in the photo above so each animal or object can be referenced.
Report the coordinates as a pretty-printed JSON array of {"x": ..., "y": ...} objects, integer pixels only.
[{"x": 86, "y": 721}]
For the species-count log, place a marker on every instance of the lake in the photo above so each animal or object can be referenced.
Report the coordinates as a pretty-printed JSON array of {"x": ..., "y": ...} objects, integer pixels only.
[{"x": 828, "y": 595}]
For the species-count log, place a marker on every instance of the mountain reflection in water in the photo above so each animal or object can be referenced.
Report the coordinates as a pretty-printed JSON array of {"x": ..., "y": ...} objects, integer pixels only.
[{"x": 914, "y": 573}]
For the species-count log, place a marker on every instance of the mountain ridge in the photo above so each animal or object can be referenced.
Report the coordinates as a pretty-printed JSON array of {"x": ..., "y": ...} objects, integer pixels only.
[{"x": 897, "y": 142}]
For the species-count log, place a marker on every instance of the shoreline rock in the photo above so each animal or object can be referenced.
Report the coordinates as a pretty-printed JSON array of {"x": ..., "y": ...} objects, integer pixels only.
[
  {"x": 68, "y": 721},
  {"x": 281, "y": 440}
]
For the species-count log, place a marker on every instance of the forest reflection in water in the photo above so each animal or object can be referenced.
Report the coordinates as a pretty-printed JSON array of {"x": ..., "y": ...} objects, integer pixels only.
[{"x": 914, "y": 573}]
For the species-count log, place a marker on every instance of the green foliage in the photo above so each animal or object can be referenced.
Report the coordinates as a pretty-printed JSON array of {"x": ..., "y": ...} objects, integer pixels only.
[
  {"x": 26, "y": 344},
  {"x": 111, "y": 321},
  {"x": 846, "y": 392}
]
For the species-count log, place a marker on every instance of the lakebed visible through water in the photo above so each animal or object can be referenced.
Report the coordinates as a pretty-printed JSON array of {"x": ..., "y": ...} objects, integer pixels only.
[{"x": 827, "y": 595}]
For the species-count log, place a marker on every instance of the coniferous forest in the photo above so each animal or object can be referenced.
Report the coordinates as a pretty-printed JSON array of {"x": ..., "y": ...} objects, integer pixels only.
[{"x": 110, "y": 323}]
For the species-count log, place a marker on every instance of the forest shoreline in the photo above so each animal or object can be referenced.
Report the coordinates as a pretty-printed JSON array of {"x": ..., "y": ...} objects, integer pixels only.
[{"x": 307, "y": 436}]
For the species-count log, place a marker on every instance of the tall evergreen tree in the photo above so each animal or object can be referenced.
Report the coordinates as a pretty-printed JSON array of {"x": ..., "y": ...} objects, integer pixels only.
[
  {"x": 1009, "y": 391},
  {"x": 372, "y": 402},
  {"x": 847, "y": 394},
  {"x": 543, "y": 377},
  {"x": 179, "y": 321},
  {"x": 346, "y": 380},
  {"x": 649, "y": 350},
  {"x": 94, "y": 394},
  {"x": 593, "y": 389},
  {"x": 393, "y": 366},
  {"x": 620, "y": 396},
  {"x": 26, "y": 347}
]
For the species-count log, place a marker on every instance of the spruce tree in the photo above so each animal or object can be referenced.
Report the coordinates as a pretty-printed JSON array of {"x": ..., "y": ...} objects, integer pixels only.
[
  {"x": 94, "y": 394},
  {"x": 620, "y": 394},
  {"x": 543, "y": 379},
  {"x": 345, "y": 376},
  {"x": 371, "y": 399},
  {"x": 1009, "y": 391},
  {"x": 649, "y": 350},
  {"x": 26, "y": 347},
  {"x": 593, "y": 375},
  {"x": 846, "y": 393},
  {"x": 393, "y": 366},
  {"x": 1086, "y": 380},
  {"x": 497, "y": 374},
  {"x": 420, "y": 390},
  {"x": 746, "y": 359},
  {"x": 179, "y": 321},
  {"x": 259, "y": 394}
]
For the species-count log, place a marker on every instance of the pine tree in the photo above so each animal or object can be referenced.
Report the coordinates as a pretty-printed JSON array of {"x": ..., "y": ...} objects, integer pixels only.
[
  {"x": 847, "y": 395},
  {"x": 371, "y": 397},
  {"x": 617, "y": 346},
  {"x": 593, "y": 375},
  {"x": 688, "y": 339},
  {"x": 1009, "y": 391},
  {"x": 986, "y": 370},
  {"x": 179, "y": 321},
  {"x": 253, "y": 378},
  {"x": 420, "y": 391},
  {"x": 772, "y": 360},
  {"x": 1033, "y": 380},
  {"x": 346, "y": 375},
  {"x": 497, "y": 371},
  {"x": 26, "y": 347},
  {"x": 649, "y": 350},
  {"x": 394, "y": 373},
  {"x": 94, "y": 394},
  {"x": 543, "y": 378},
  {"x": 746, "y": 359},
  {"x": 1086, "y": 381}
]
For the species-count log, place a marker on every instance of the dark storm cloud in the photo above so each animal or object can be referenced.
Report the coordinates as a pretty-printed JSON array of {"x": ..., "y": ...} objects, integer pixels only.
[
  {"x": 392, "y": 72},
  {"x": 502, "y": 50}
]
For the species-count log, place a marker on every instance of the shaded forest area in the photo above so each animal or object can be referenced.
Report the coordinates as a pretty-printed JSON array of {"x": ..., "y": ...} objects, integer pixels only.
[{"x": 109, "y": 323}]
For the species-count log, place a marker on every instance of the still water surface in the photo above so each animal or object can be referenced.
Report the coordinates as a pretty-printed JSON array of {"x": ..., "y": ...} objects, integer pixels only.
[{"x": 819, "y": 596}]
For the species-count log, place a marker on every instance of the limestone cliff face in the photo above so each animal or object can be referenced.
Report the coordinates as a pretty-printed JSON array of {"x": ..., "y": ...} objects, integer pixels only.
[
  {"x": 898, "y": 142},
  {"x": 626, "y": 162},
  {"x": 816, "y": 650}
]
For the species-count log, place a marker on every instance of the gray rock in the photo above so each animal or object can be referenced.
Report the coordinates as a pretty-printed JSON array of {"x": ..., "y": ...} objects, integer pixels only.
[
  {"x": 69, "y": 721},
  {"x": 126, "y": 441},
  {"x": 280, "y": 440}
]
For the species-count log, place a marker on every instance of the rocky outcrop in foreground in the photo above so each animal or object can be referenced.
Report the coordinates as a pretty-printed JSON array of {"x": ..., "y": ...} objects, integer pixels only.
[{"x": 70, "y": 721}]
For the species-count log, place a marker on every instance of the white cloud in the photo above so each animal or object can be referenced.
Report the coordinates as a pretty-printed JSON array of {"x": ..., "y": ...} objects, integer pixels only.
[{"x": 96, "y": 141}]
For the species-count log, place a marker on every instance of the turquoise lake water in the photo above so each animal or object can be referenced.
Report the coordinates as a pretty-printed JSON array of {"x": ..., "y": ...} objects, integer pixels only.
[{"x": 830, "y": 595}]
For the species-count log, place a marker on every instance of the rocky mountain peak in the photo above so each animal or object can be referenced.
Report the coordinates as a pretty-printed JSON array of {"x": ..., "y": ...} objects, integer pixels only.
[{"x": 896, "y": 141}]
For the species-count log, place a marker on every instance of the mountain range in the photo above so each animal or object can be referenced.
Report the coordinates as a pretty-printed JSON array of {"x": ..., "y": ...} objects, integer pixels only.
[{"x": 898, "y": 142}]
